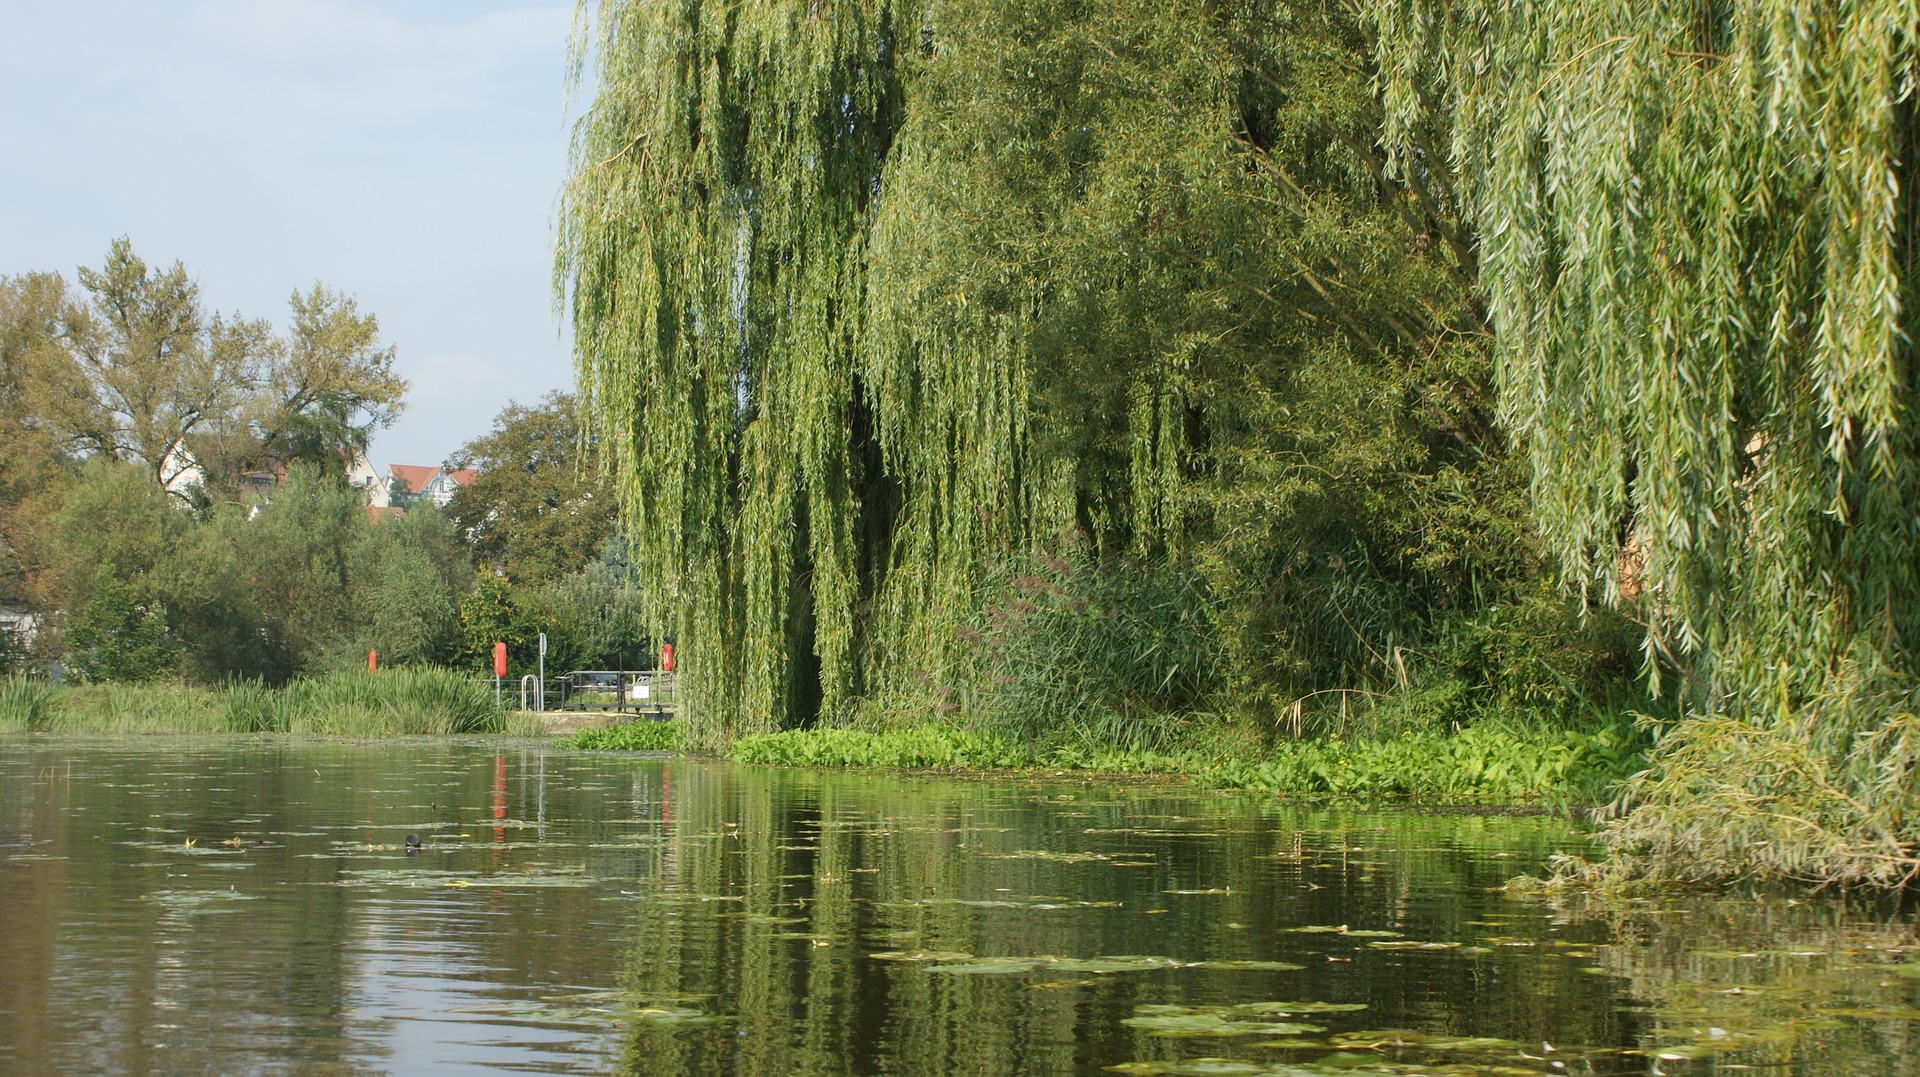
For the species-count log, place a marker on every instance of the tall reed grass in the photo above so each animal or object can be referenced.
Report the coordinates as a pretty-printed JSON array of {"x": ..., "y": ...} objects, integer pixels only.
[
  {"x": 402, "y": 701},
  {"x": 405, "y": 700},
  {"x": 132, "y": 708},
  {"x": 24, "y": 705}
]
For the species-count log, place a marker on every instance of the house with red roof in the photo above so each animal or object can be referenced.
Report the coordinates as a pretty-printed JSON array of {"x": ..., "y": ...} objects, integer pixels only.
[{"x": 408, "y": 483}]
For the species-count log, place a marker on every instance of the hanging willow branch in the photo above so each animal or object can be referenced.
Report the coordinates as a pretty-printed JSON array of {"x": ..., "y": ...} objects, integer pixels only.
[
  {"x": 1696, "y": 224},
  {"x": 710, "y": 252},
  {"x": 812, "y": 474}
]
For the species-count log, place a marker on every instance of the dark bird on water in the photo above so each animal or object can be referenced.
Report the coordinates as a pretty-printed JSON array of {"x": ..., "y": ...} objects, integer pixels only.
[{"x": 413, "y": 845}]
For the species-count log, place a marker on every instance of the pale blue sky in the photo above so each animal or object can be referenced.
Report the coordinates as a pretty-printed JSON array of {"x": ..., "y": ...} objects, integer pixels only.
[{"x": 407, "y": 152}]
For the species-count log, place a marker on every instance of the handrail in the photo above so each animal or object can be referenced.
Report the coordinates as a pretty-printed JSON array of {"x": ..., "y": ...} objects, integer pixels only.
[{"x": 624, "y": 685}]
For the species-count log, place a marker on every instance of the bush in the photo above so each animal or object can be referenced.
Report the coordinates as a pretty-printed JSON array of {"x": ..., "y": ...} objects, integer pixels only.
[
  {"x": 1545, "y": 656},
  {"x": 117, "y": 636},
  {"x": 1493, "y": 762},
  {"x": 1078, "y": 652}
]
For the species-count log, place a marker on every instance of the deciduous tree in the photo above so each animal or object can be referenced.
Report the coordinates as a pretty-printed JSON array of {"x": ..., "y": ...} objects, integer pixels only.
[{"x": 540, "y": 506}]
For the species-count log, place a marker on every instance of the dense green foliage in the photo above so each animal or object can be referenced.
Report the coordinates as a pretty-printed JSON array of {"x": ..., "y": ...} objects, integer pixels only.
[
  {"x": 172, "y": 503},
  {"x": 116, "y": 638},
  {"x": 1078, "y": 652},
  {"x": 541, "y": 506},
  {"x": 539, "y": 517},
  {"x": 593, "y": 618},
  {"x": 878, "y": 309},
  {"x": 307, "y": 584},
  {"x": 881, "y": 309},
  {"x": 639, "y": 735},
  {"x": 925, "y": 746},
  {"x": 1697, "y": 245}
]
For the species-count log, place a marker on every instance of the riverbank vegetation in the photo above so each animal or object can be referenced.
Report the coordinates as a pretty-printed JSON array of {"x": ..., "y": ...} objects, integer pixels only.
[
  {"x": 411, "y": 701},
  {"x": 1490, "y": 764},
  {"x": 1279, "y": 371}
]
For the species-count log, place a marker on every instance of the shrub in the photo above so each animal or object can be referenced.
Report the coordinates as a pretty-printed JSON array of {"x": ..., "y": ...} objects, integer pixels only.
[
  {"x": 1074, "y": 651},
  {"x": 118, "y": 636}
]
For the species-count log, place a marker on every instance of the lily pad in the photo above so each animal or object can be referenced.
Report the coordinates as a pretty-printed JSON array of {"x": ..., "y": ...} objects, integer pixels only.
[
  {"x": 1198, "y": 1067},
  {"x": 1399, "y": 1037},
  {"x": 671, "y": 1015},
  {"x": 1114, "y": 964},
  {"x": 987, "y": 966},
  {"x": 1041, "y": 903},
  {"x": 197, "y": 901},
  {"x": 1247, "y": 966},
  {"x": 990, "y": 966},
  {"x": 1301, "y": 1006},
  {"x": 1181, "y": 1021},
  {"x": 1048, "y": 854}
]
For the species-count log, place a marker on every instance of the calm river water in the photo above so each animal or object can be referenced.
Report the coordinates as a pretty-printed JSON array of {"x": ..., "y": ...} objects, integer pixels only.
[{"x": 249, "y": 906}]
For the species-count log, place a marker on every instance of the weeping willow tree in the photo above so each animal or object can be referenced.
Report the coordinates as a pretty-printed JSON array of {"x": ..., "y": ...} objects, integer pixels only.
[
  {"x": 1697, "y": 246},
  {"x": 778, "y": 471},
  {"x": 712, "y": 244},
  {"x": 879, "y": 310}
]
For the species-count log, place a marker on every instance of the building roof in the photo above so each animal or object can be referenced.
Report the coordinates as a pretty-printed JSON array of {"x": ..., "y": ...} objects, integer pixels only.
[
  {"x": 417, "y": 476},
  {"x": 414, "y": 475}
]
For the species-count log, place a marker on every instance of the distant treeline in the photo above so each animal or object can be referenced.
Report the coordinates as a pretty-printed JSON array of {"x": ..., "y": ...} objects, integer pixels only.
[{"x": 174, "y": 506}]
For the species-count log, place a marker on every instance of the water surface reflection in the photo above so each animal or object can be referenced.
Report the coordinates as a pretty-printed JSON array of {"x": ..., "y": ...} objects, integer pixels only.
[{"x": 248, "y": 906}]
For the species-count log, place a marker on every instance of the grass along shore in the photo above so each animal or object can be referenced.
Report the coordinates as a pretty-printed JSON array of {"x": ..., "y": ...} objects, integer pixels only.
[
  {"x": 402, "y": 701},
  {"x": 1494, "y": 763}
]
